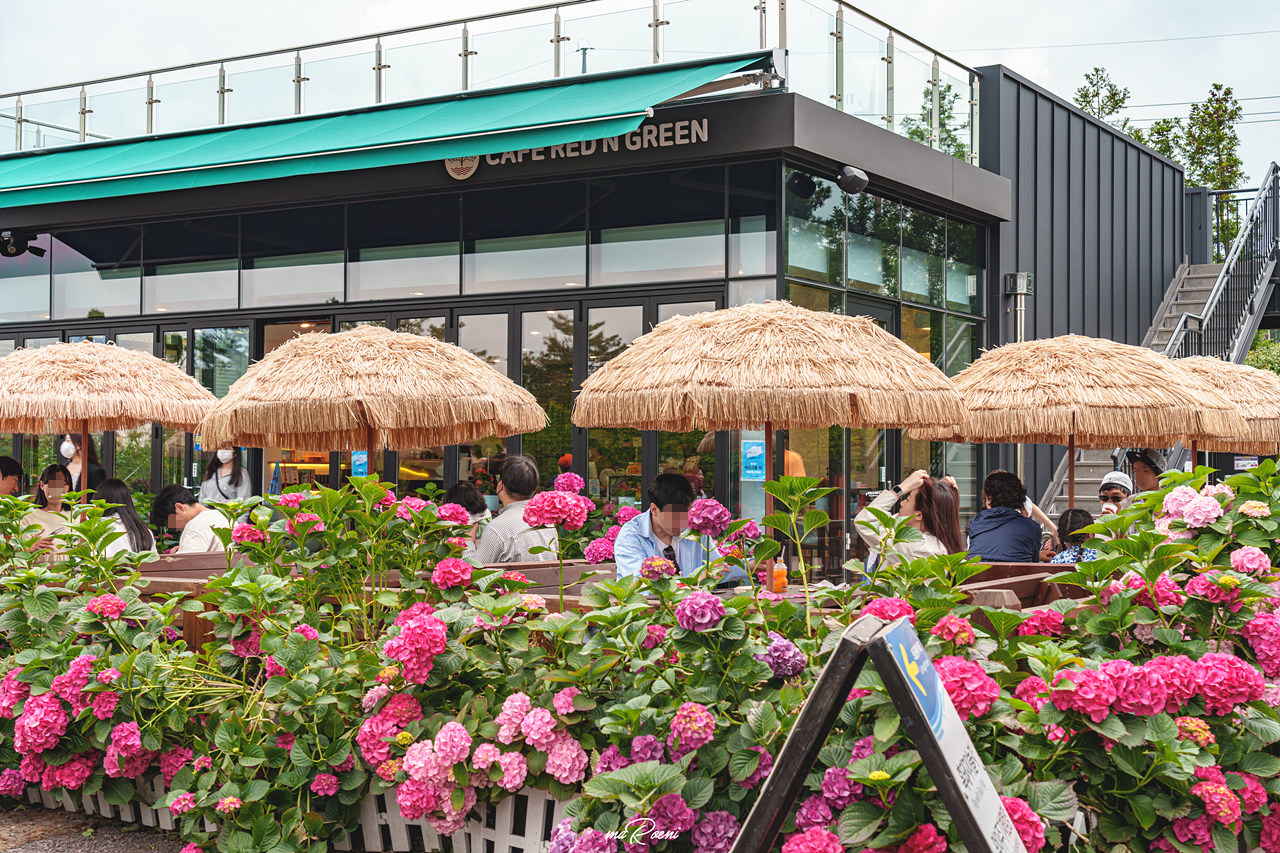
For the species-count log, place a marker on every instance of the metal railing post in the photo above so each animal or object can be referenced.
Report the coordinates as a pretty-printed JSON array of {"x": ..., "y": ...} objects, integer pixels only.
[
  {"x": 466, "y": 55},
  {"x": 888, "y": 82},
  {"x": 17, "y": 125},
  {"x": 838, "y": 35},
  {"x": 973, "y": 118},
  {"x": 764, "y": 19},
  {"x": 298, "y": 80},
  {"x": 222, "y": 94},
  {"x": 655, "y": 24},
  {"x": 152, "y": 100},
  {"x": 557, "y": 38},
  {"x": 935, "y": 130},
  {"x": 782, "y": 24},
  {"x": 378, "y": 67},
  {"x": 84, "y": 114}
]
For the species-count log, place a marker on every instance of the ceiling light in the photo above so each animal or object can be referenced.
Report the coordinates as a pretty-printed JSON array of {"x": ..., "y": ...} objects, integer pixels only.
[
  {"x": 415, "y": 293},
  {"x": 162, "y": 309},
  {"x": 572, "y": 284},
  {"x": 535, "y": 332},
  {"x": 304, "y": 325}
]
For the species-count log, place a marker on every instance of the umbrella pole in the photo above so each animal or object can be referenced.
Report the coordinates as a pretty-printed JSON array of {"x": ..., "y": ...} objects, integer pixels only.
[
  {"x": 84, "y": 460},
  {"x": 768, "y": 466},
  {"x": 1071, "y": 472},
  {"x": 372, "y": 443},
  {"x": 1195, "y": 452}
]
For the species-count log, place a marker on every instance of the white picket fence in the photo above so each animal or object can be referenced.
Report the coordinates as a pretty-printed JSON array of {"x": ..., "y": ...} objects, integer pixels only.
[{"x": 521, "y": 823}]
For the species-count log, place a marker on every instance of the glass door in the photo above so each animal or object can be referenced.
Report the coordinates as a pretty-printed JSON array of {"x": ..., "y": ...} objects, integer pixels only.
[
  {"x": 868, "y": 452},
  {"x": 283, "y": 467}
]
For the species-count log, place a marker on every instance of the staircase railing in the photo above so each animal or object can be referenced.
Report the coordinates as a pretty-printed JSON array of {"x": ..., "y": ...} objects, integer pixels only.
[{"x": 1236, "y": 295}]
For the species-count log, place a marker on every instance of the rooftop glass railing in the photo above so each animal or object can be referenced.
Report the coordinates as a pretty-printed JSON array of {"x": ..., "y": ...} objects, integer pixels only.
[{"x": 836, "y": 54}]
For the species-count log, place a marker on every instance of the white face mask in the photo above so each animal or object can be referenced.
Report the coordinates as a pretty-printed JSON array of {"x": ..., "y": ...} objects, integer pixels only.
[
  {"x": 54, "y": 493},
  {"x": 225, "y": 456},
  {"x": 68, "y": 449}
]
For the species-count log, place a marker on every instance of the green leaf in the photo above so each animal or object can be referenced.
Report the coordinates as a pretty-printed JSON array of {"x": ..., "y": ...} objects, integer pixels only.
[
  {"x": 1143, "y": 809},
  {"x": 886, "y": 725},
  {"x": 1265, "y": 729},
  {"x": 1260, "y": 764},
  {"x": 1225, "y": 841},
  {"x": 858, "y": 822},
  {"x": 41, "y": 604},
  {"x": 255, "y": 790},
  {"x": 697, "y": 791},
  {"x": 1054, "y": 799},
  {"x": 743, "y": 764},
  {"x": 1129, "y": 760},
  {"x": 1111, "y": 727},
  {"x": 1003, "y": 621},
  {"x": 1168, "y": 636},
  {"x": 1161, "y": 727},
  {"x": 118, "y": 791}
]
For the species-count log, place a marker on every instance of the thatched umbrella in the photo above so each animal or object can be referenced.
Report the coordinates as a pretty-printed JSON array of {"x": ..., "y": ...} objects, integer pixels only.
[
  {"x": 369, "y": 388},
  {"x": 87, "y": 387},
  {"x": 770, "y": 365},
  {"x": 1255, "y": 394},
  {"x": 1084, "y": 392}
]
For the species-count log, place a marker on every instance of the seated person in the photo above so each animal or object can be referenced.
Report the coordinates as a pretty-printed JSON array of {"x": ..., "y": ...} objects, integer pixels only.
[
  {"x": 508, "y": 538},
  {"x": 1000, "y": 533},
  {"x": 135, "y": 535},
  {"x": 1148, "y": 465},
  {"x": 1073, "y": 550},
  {"x": 52, "y": 514},
  {"x": 1115, "y": 492},
  {"x": 10, "y": 476},
  {"x": 177, "y": 508},
  {"x": 656, "y": 532}
]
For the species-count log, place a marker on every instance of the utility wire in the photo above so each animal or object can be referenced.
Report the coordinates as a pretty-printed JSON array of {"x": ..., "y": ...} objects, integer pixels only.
[
  {"x": 1188, "y": 103},
  {"x": 1110, "y": 43}
]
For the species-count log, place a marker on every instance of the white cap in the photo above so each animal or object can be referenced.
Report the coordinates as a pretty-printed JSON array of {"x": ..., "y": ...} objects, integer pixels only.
[{"x": 1117, "y": 478}]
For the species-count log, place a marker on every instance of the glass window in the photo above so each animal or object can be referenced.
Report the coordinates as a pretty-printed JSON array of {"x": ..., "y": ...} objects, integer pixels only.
[
  {"x": 173, "y": 460},
  {"x": 757, "y": 291},
  {"x": 874, "y": 236},
  {"x": 924, "y": 238},
  {"x": 546, "y": 370},
  {"x": 7, "y": 346},
  {"x": 815, "y": 228},
  {"x": 613, "y": 471},
  {"x": 819, "y": 453},
  {"x": 692, "y": 455},
  {"x": 485, "y": 336},
  {"x": 97, "y": 339},
  {"x": 420, "y": 467},
  {"x": 658, "y": 227},
  {"x": 292, "y": 257},
  {"x": 191, "y": 265},
  {"x": 96, "y": 273},
  {"x": 668, "y": 310},
  {"x": 753, "y": 221},
  {"x": 137, "y": 341},
  {"x": 815, "y": 298},
  {"x": 348, "y": 325},
  {"x": 133, "y": 457},
  {"x": 36, "y": 343},
  {"x": 403, "y": 248},
  {"x": 24, "y": 284},
  {"x": 506, "y": 248},
  {"x": 221, "y": 357},
  {"x": 966, "y": 262},
  {"x": 434, "y": 327},
  {"x": 923, "y": 331}
]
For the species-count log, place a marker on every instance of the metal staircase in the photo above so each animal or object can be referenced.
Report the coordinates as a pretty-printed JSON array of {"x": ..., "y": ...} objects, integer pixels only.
[{"x": 1209, "y": 309}]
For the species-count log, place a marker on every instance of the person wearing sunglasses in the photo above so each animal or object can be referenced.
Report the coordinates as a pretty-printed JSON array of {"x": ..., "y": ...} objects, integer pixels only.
[{"x": 1114, "y": 492}]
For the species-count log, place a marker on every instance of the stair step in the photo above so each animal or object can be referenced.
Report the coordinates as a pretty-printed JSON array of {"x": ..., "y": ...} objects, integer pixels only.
[{"x": 1204, "y": 269}]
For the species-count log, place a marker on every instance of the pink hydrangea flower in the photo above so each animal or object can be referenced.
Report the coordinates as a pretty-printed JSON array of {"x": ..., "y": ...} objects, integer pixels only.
[
  {"x": 202, "y": 764},
  {"x": 569, "y": 482},
  {"x": 325, "y": 784},
  {"x": 1180, "y": 679},
  {"x": 612, "y": 533},
  {"x": 708, "y": 517},
  {"x": 1026, "y": 821},
  {"x": 1218, "y": 587},
  {"x": 715, "y": 832},
  {"x": 247, "y": 646},
  {"x": 654, "y": 635},
  {"x": 1270, "y": 841},
  {"x": 12, "y": 784},
  {"x": 889, "y": 609},
  {"x": 107, "y": 606},
  {"x": 1138, "y": 690},
  {"x": 1194, "y": 831},
  {"x": 292, "y": 500},
  {"x": 599, "y": 551},
  {"x": 514, "y": 709},
  {"x": 972, "y": 691},
  {"x": 692, "y": 726},
  {"x": 1212, "y": 489},
  {"x": 286, "y": 740},
  {"x": 1220, "y": 803},
  {"x": 567, "y": 760},
  {"x": 954, "y": 629},
  {"x": 387, "y": 501},
  {"x": 652, "y": 568},
  {"x": 244, "y": 533},
  {"x": 1263, "y": 634},
  {"x": 376, "y": 694},
  {"x": 104, "y": 704},
  {"x": 1256, "y": 509},
  {"x": 1250, "y": 560},
  {"x": 307, "y": 631},
  {"x": 1087, "y": 691},
  {"x": 1226, "y": 681},
  {"x": 1042, "y": 623},
  {"x": 563, "y": 700},
  {"x": 272, "y": 668},
  {"x": 12, "y": 691},
  {"x": 1178, "y": 499},
  {"x": 306, "y": 522},
  {"x": 699, "y": 611},
  {"x": 228, "y": 804},
  {"x": 626, "y": 513},
  {"x": 1033, "y": 691},
  {"x": 109, "y": 676},
  {"x": 514, "y": 770},
  {"x": 557, "y": 509},
  {"x": 814, "y": 813},
  {"x": 453, "y": 743},
  {"x": 485, "y": 754},
  {"x": 1253, "y": 797},
  {"x": 410, "y": 506},
  {"x": 451, "y": 572},
  {"x": 182, "y": 804},
  {"x": 453, "y": 514},
  {"x": 819, "y": 840},
  {"x": 1196, "y": 731},
  {"x": 1202, "y": 512},
  {"x": 926, "y": 839},
  {"x": 538, "y": 728},
  {"x": 42, "y": 722},
  {"x": 174, "y": 760},
  {"x": 421, "y": 639}
]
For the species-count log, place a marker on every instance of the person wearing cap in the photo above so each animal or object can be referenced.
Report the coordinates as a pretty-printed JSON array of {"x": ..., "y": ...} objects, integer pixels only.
[
  {"x": 1115, "y": 492},
  {"x": 1148, "y": 465}
]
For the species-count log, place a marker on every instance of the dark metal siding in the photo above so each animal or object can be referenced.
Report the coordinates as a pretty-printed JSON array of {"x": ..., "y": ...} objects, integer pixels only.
[{"x": 1096, "y": 216}]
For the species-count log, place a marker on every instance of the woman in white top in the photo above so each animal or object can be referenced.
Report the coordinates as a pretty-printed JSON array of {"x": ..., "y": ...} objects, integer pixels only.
[
  {"x": 124, "y": 519},
  {"x": 932, "y": 507},
  {"x": 50, "y": 512},
  {"x": 225, "y": 479}
]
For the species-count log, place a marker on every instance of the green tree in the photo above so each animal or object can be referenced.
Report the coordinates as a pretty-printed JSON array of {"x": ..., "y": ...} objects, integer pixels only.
[
  {"x": 1210, "y": 144},
  {"x": 920, "y": 128},
  {"x": 1102, "y": 98},
  {"x": 1265, "y": 353}
]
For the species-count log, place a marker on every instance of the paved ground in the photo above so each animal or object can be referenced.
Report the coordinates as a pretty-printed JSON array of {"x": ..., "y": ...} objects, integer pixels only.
[{"x": 32, "y": 829}]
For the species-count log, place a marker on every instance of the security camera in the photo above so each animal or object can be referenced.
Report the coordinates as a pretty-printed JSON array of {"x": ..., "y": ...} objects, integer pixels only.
[
  {"x": 851, "y": 180},
  {"x": 13, "y": 245},
  {"x": 801, "y": 185}
]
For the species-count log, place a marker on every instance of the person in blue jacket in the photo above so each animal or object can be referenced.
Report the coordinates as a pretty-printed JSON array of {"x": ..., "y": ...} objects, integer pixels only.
[{"x": 1000, "y": 533}]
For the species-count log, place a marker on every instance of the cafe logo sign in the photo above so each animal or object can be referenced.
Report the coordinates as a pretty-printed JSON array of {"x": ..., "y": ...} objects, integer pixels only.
[{"x": 461, "y": 168}]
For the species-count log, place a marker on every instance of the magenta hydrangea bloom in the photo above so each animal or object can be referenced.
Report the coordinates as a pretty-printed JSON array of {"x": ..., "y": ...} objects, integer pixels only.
[
  {"x": 1028, "y": 824},
  {"x": 557, "y": 509},
  {"x": 1226, "y": 681},
  {"x": 762, "y": 769},
  {"x": 303, "y": 523},
  {"x": 954, "y": 629},
  {"x": 1138, "y": 690},
  {"x": 1220, "y": 804},
  {"x": 817, "y": 840},
  {"x": 1263, "y": 634},
  {"x": 228, "y": 804},
  {"x": 563, "y": 700},
  {"x": 1253, "y": 797},
  {"x": 410, "y": 506},
  {"x": 783, "y": 657},
  {"x": 1088, "y": 691},
  {"x": 292, "y": 500},
  {"x": 653, "y": 636},
  {"x": 1033, "y": 691},
  {"x": 838, "y": 789},
  {"x": 569, "y": 482},
  {"x": 1180, "y": 680},
  {"x": 652, "y": 568},
  {"x": 714, "y": 832},
  {"x": 107, "y": 606},
  {"x": 451, "y": 572},
  {"x": 182, "y": 804},
  {"x": 244, "y": 533},
  {"x": 43, "y": 720},
  {"x": 708, "y": 517},
  {"x": 626, "y": 513},
  {"x": 699, "y": 611},
  {"x": 972, "y": 691},
  {"x": 926, "y": 839},
  {"x": 307, "y": 631},
  {"x": 453, "y": 514},
  {"x": 1042, "y": 623},
  {"x": 325, "y": 784},
  {"x": 646, "y": 748},
  {"x": 599, "y": 551},
  {"x": 12, "y": 691},
  {"x": 670, "y": 813},
  {"x": 611, "y": 759},
  {"x": 692, "y": 727},
  {"x": 1250, "y": 560},
  {"x": 11, "y": 783},
  {"x": 889, "y": 609},
  {"x": 420, "y": 640}
]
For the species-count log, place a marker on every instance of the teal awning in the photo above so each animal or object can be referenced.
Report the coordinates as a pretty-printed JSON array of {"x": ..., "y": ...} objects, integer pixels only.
[{"x": 464, "y": 125}]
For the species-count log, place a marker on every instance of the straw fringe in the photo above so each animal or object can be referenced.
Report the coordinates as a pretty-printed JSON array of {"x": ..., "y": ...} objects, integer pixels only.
[
  {"x": 327, "y": 392},
  {"x": 774, "y": 363},
  {"x": 57, "y": 388},
  {"x": 1104, "y": 393},
  {"x": 1255, "y": 394}
]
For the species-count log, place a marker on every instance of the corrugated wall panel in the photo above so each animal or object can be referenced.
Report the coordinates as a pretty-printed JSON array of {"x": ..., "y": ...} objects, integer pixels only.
[{"x": 1097, "y": 218}]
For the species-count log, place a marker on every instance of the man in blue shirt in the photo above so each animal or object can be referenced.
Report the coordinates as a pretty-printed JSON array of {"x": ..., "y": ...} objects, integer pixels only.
[
  {"x": 1000, "y": 533},
  {"x": 656, "y": 532}
]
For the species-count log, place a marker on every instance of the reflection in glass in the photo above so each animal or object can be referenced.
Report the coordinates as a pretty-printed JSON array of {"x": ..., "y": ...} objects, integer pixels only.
[
  {"x": 613, "y": 471},
  {"x": 434, "y": 327},
  {"x": 24, "y": 285},
  {"x": 221, "y": 356},
  {"x": 955, "y": 136},
  {"x": 403, "y": 248},
  {"x": 697, "y": 30},
  {"x": 426, "y": 465},
  {"x": 693, "y": 456},
  {"x": 658, "y": 227},
  {"x": 137, "y": 341},
  {"x": 7, "y": 346},
  {"x": 924, "y": 239},
  {"x": 423, "y": 69},
  {"x": 667, "y": 310},
  {"x": 282, "y": 466},
  {"x": 36, "y": 343},
  {"x": 348, "y": 325},
  {"x": 966, "y": 276},
  {"x": 485, "y": 336},
  {"x": 133, "y": 457},
  {"x": 97, "y": 339},
  {"x": 820, "y": 453},
  {"x": 864, "y": 75},
  {"x": 811, "y": 71},
  {"x": 546, "y": 362},
  {"x": 815, "y": 298},
  {"x": 521, "y": 52},
  {"x": 753, "y": 227},
  {"x": 923, "y": 331},
  {"x": 815, "y": 228},
  {"x": 606, "y": 42},
  {"x": 292, "y": 257},
  {"x": 339, "y": 83},
  {"x": 173, "y": 443},
  {"x": 912, "y": 94},
  {"x": 506, "y": 249},
  {"x": 186, "y": 104},
  {"x": 873, "y": 235},
  {"x": 259, "y": 94},
  {"x": 52, "y": 123},
  {"x": 757, "y": 291},
  {"x": 191, "y": 265},
  {"x": 97, "y": 273},
  {"x": 118, "y": 114}
]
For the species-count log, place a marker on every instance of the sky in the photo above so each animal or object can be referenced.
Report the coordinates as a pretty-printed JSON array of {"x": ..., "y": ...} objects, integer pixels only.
[{"x": 55, "y": 42}]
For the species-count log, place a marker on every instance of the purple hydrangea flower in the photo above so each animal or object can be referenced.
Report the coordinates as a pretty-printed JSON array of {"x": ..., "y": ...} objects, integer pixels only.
[
  {"x": 838, "y": 789},
  {"x": 813, "y": 812},
  {"x": 783, "y": 656},
  {"x": 708, "y": 517},
  {"x": 715, "y": 833},
  {"x": 672, "y": 814},
  {"x": 863, "y": 748},
  {"x": 762, "y": 769},
  {"x": 699, "y": 611},
  {"x": 646, "y": 748},
  {"x": 562, "y": 837},
  {"x": 593, "y": 840},
  {"x": 611, "y": 759}
]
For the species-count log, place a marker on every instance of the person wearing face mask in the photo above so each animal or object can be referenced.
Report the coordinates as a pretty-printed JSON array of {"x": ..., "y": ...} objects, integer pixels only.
[
  {"x": 10, "y": 476},
  {"x": 70, "y": 450},
  {"x": 50, "y": 512},
  {"x": 225, "y": 479}
]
